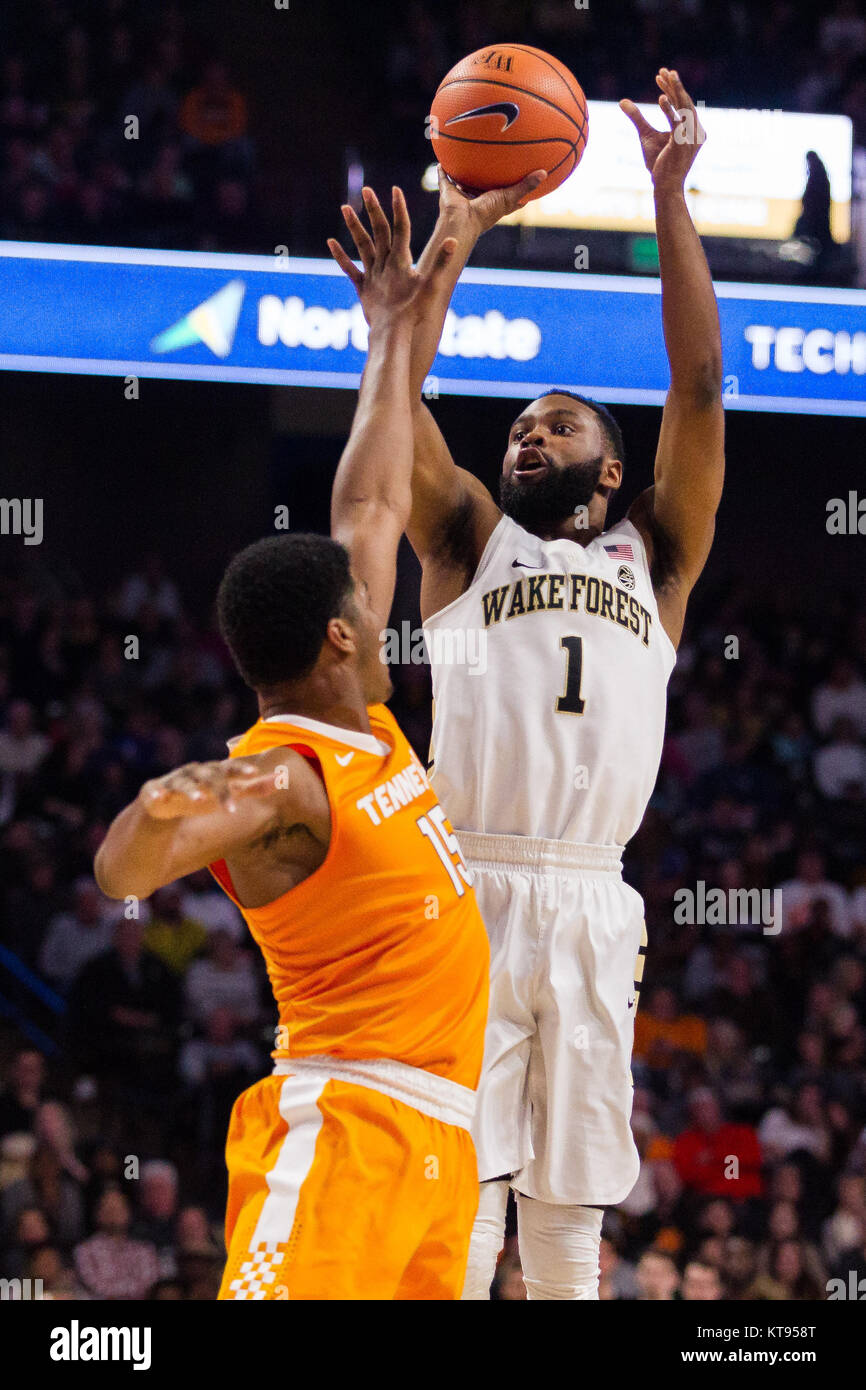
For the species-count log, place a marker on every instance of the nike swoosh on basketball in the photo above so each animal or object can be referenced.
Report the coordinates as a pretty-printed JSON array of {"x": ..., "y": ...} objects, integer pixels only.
[
  {"x": 523, "y": 565},
  {"x": 509, "y": 109},
  {"x": 344, "y": 758}
]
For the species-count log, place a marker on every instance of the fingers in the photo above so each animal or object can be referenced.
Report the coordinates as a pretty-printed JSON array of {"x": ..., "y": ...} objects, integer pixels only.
[
  {"x": 675, "y": 89},
  {"x": 238, "y": 780},
  {"x": 677, "y": 105},
  {"x": 443, "y": 256},
  {"x": 402, "y": 226},
  {"x": 497, "y": 203},
  {"x": 519, "y": 191},
  {"x": 379, "y": 224},
  {"x": 674, "y": 117},
  {"x": 637, "y": 118},
  {"x": 361, "y": 237},
  {"x": 449, "y": 188},
  {"x": 348, "y": 267},
  {"x": 248, "y": 780},
  {"x": 198, "y": 788}
]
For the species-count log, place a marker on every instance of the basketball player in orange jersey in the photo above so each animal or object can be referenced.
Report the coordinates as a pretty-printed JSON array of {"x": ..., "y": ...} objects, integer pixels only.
[
  {"x": 546, "y": 763},
  {"x": 352, "y": 1173}
]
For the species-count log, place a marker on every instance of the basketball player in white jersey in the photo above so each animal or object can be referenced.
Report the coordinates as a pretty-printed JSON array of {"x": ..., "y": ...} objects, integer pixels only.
[{"x": 546, "y": 762}]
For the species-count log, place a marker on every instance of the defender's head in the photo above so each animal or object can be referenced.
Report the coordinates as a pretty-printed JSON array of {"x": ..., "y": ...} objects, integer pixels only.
[
  {"x": 564, "y": 452},
  {"x": 292, "y": 615}
]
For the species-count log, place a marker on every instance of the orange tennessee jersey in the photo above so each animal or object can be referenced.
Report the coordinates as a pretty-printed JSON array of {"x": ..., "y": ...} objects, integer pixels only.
[{"x": 381, "y": 952}]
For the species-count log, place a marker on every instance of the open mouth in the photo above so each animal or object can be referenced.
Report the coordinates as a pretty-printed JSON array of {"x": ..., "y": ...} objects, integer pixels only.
[{"x": 531, "y": 464}]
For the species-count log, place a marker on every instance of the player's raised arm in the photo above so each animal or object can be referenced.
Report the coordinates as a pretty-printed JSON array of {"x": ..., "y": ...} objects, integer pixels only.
[
  {"x": 372, "y": 496},
  {"x": 677, "y": 515},
  {"x": 442, "y": 492}
]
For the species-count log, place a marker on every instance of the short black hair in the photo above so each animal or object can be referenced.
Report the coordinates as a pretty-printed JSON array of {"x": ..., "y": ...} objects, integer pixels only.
[
  {"x": 610, "y": 428},
  {"x": 275, "y": 602}
]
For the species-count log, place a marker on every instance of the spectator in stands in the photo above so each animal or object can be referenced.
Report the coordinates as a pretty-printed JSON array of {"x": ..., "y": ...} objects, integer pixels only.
[
  {"x": 617, "y": 1280},
  {"x": 845, "y": 1230},
  {"x": 172, "y": 936},
  {"x": 76, "y": 937},
  {"x": 57, "y": 1278},
  {"x": 841, "y": 696},
  {"x": 216, "y": 1068},
  {"x": 840, "y": 765},
  {"x": 657, "y": 1277},
  {"x": 22, "y": 747},
  {"x": 224, "y": 977},
  {"x": 124, "y": 1012},
  {"x": 52, "y": 1191},
  {"x": 23, "y": 1092},
  {"x": 110, "y": 1264},
  {"x": 213, "y": 117},
  {"x": 811, "y": 883},
  {"x": 716, "y": 1158},
  {"x": 662, "y": 1030},
  {"x": 194, "y": 1235},
  {"x": 26, "y": 1231},
  {"x": 738, "y": 1267},
  {"x": 204, "y": 902},
  {"x": 53, "y": 1127},
  {"x": 797, "y": 1270},
  {"x": 149, "y": 585},
  {"x": 701, "y": 1283},
  {"x": 157, "y": 1211}
]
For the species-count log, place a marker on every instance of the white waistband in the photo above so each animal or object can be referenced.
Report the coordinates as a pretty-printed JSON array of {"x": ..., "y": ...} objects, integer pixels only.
[
  {"x": 433, "y": 1095},
  {"x": 522, "y": 851}
]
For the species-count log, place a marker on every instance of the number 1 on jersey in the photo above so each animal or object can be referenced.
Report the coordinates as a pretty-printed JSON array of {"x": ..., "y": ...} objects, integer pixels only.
[{"x": 571, "y": 702}]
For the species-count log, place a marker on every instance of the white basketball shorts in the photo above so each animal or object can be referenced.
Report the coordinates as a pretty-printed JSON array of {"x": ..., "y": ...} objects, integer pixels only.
[{"x": 567, "y": 943}]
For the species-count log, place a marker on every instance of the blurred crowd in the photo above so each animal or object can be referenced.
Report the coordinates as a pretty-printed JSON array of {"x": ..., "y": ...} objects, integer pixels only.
[
  {"x": 118, "y": 125},
  {"x": 784, "y": 54},
  {"x": 130, "y": 1028},
  {"x": 124, "y": 122}
]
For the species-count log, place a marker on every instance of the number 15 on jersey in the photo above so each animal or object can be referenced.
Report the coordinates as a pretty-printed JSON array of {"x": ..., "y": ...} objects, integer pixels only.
[{"x": 445, "y": 842}]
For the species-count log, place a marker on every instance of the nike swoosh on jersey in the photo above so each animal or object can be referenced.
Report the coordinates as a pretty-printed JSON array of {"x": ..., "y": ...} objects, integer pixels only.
[
  {"x": 523, "y": 565},
  {"x": 509, "y": 109},
  {"x": 344, "y": 758}
]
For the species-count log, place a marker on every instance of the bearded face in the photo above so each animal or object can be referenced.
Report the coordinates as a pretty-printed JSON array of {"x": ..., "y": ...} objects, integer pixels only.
[
  {"x": 554, "y": 464},
  {"x": 540, "y": 499}
]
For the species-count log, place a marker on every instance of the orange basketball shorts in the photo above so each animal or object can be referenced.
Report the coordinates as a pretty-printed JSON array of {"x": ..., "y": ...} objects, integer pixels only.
[{"x": 349, "y": 1180}]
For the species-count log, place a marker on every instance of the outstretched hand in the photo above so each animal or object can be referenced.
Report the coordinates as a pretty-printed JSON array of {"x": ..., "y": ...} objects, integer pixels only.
[
  {"x": 199, "y": 788},
  {"x": 669, "y": 154},
  {"x": 388, "y": 284},
  {"x": 484, "y": 210}
]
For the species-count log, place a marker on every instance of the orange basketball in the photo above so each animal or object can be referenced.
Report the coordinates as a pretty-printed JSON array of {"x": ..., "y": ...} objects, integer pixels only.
[{"x": 504, "y": 111}]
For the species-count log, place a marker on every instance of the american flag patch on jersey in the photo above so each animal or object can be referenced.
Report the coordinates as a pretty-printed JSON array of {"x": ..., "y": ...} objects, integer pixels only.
[{"x": 620, "y": 552}]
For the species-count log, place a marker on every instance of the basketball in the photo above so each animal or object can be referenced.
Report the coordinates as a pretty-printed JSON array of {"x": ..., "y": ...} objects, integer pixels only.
[{"x": 502, "y": 112}]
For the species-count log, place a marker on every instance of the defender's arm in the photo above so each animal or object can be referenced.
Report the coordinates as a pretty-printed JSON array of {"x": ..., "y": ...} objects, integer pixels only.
[
  {"x": 453, "y": 514},
  {"x": 201, "y": 812},
  {"x": 372, "y": 497}
]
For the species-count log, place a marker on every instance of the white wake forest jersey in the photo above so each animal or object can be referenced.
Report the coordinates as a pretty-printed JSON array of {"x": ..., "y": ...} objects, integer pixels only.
[{"x": 549, "y": 685}]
